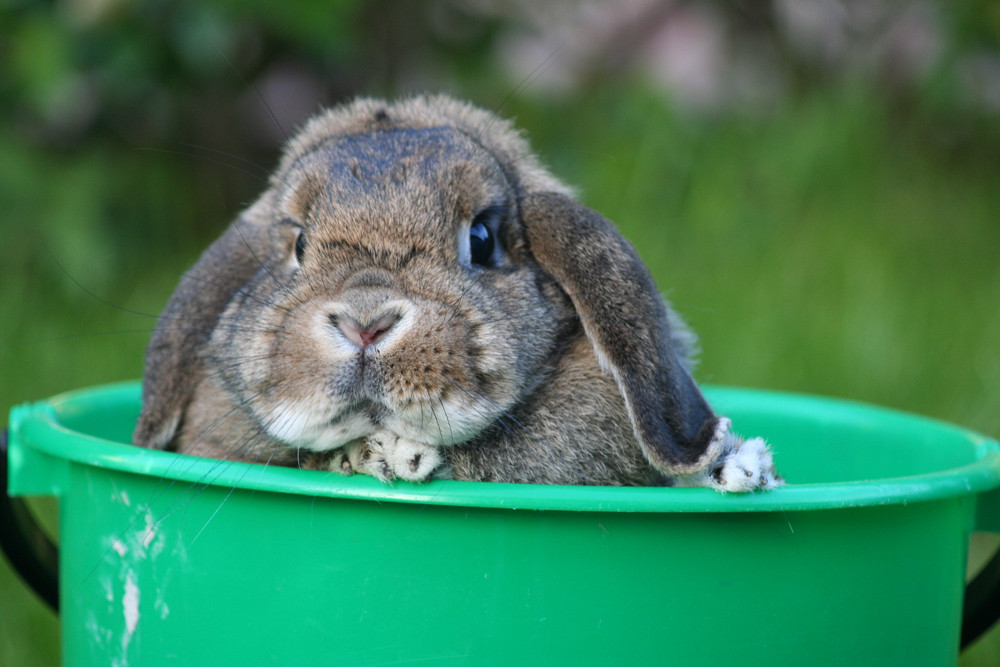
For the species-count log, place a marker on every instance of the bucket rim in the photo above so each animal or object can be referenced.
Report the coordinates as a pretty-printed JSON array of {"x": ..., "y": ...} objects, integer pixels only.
[{"x": 40, "y": 423}]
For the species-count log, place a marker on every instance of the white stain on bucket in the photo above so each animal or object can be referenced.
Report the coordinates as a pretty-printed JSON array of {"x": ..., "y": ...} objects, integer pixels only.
[
  {"x": 147, "y": 536},
  {"x": 143, "y": 545},
  {"x": 119, "y": 547},
  {"x": 130, "y": 606}
]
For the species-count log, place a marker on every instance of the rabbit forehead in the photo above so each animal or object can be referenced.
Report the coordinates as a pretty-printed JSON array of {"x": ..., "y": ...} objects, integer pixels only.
[
  {"x": 351, "y": 164},
  {"x": 376, "y": 156},
  {"x": 419, "y": 178}
]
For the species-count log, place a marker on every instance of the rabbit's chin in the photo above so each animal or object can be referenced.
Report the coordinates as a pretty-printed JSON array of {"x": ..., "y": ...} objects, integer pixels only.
[
  {"x": 303, "y": 424},
  {"x": 437, "y": 425},
  {"x": 299, "y": 425}
]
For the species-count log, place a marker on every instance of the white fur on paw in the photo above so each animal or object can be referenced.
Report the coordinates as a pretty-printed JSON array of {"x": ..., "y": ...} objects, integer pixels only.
[
  {"x": 413, "y": 461},
  {"x": 721, "y": 433},
  {"x": 361, "y": 456},
  {"x": 340, "y": 461},
  {"x": 745, "y": 465},
  {"x": 369, "y": 456}
]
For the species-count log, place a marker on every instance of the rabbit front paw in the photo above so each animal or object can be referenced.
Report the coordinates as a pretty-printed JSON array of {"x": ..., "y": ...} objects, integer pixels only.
[
  {"x": 387, "y": 456},
  {"x": 745, "y": 465},
  {"x": 406, "y": 459}
]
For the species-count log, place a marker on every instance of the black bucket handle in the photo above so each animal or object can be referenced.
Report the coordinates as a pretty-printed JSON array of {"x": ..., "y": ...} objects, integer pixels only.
[
  {"x": 982, "y": 602},
  {"x": 33, "y": 555},
  {"x": 28, "y": 549}
]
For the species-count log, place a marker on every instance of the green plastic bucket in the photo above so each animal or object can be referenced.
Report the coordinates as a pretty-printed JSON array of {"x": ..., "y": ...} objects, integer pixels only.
[{"x": 167, "y": 559}]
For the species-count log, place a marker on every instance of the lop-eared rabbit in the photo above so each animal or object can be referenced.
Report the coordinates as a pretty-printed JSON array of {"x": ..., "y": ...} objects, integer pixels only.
[{"x": 415, "y": 296}]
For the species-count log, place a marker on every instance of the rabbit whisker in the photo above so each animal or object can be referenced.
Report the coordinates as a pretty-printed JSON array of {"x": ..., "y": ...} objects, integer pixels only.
[
  {"x": 444, "y": 412},
  {"x": 437, "y": 422},
  {"x": 209, "y": 282},
  {"x": 281, "y": 285},
  {"x": 525, "y": 82},
  {"x": 177, "y": 503},
  {"x": 223, "y": 501},
  {"x": 260, "y": 96},
  {"x": 246, "y": 172},
  {"x": 233, "y": 156}
]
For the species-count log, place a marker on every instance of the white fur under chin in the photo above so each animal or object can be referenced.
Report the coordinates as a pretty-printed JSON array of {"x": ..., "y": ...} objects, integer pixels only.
[{"x": 745, "y": 465}]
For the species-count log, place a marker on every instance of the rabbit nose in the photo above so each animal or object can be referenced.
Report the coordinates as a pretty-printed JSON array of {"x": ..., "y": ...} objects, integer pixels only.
[{"x": 363, "y": 335}]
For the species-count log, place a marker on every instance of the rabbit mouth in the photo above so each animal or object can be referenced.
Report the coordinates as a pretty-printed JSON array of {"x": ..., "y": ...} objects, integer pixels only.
[{"x": 364, "y": 408}]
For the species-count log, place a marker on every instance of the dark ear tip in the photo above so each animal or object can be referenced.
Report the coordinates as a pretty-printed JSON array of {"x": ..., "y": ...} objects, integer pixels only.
[
  {"x": 710, "y": 432},
  {"x": 670, "y": 452},
  {"x": 154, "y": 431}
]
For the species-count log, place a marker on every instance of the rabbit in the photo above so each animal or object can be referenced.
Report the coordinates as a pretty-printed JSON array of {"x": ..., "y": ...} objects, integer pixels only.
[{"x": 415, "y": 296}]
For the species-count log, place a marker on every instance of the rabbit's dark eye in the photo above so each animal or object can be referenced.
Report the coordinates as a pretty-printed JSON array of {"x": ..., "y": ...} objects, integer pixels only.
[
  {"x": 481, "y": 244},
  {"x": 483, "y": 236},
  {"x": 300, "y": 246}
]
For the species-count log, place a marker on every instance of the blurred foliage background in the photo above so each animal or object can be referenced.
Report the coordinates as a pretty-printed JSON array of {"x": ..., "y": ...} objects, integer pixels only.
[{"x": 813, "y": 182}]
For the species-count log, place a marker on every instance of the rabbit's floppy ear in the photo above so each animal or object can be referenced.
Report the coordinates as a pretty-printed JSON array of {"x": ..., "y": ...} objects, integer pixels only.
[
  {"x": 173, "y": 357},
  {"x": 626, "y": 320}
]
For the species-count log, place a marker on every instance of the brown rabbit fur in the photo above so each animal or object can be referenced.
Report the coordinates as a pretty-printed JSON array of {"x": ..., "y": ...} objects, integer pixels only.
[{"x": 415, "y": 295}]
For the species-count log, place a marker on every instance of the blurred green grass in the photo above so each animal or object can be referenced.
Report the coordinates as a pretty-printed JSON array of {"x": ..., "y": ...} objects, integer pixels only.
[{"x": 828, "y": 248}]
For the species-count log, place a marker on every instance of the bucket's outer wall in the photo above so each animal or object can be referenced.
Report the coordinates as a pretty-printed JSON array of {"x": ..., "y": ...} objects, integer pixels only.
[
  {"x": 156, "y": 571},
  {"x": 296, "y": 580}
]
